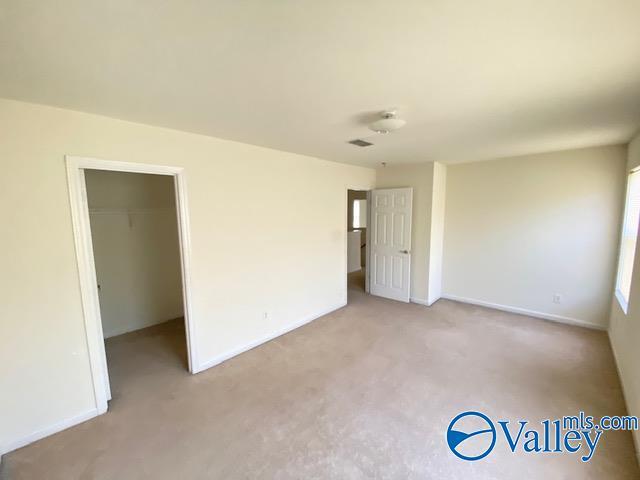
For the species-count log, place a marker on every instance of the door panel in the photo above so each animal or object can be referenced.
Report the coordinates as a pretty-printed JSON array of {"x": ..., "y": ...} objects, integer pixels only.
[{"x": 391, "y": 243}]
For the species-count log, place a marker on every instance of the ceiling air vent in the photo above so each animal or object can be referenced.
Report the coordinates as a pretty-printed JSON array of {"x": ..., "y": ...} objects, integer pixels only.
[{"x": 360, "y": 143}]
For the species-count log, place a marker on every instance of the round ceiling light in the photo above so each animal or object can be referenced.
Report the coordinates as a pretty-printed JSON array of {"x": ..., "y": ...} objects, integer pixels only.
[{"x": 388, "y": 123}]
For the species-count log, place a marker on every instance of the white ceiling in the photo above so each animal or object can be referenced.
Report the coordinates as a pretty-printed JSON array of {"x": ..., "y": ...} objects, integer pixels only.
[{"x": 474, "y": 79}]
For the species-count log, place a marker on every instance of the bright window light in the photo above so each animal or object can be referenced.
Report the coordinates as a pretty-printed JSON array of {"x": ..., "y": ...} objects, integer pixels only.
[
  {"x": 629, "y": 238},
  {"x": 359, "y": 214}
]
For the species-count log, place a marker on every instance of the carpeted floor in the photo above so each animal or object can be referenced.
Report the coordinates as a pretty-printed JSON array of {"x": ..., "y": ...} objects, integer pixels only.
[{"x": 365, "y": 392}]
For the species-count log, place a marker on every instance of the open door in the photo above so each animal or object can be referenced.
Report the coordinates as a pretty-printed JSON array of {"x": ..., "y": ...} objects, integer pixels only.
[{"x": 390, "y": 251}]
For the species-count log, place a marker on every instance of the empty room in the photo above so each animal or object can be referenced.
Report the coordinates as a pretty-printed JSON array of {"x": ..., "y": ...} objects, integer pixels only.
[{"x": 320, "y": 240}]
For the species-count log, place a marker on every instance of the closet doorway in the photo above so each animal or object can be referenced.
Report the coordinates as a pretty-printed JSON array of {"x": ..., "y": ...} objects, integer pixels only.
[{"x": 131, "y": 232}]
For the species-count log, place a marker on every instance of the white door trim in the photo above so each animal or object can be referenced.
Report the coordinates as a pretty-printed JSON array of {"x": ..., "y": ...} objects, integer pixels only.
[
  {"x": 86, "y": 264},
  {"x": 367, "y": 254}
]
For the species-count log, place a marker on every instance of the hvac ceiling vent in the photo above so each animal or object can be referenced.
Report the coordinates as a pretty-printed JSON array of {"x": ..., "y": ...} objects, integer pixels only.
[{"x": 360, "y": 143}]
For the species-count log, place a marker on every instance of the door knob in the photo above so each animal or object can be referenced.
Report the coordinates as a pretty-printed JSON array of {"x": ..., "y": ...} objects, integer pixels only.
[{"x": 404, "y": 251}]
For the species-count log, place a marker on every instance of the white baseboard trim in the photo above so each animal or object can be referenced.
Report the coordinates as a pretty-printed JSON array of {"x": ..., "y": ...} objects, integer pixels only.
[
  {"x": 45, "y": 432},
  {"x": 523, "y": 311},
  {"x": 422, "y": 301},
  {"x": 419, "y": 301},
  {"x": 292, "y": 326}
]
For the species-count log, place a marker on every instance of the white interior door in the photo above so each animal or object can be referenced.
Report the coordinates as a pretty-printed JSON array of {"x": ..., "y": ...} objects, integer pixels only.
[{"x": 390, "y": 262}]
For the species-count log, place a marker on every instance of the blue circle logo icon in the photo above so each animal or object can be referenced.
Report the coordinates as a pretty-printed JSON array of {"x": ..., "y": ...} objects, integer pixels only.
[{"x": 471, "y": 436}]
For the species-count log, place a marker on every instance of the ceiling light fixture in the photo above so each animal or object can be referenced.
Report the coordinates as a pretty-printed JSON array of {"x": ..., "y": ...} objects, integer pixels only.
[{"x": 388, "y": 123}]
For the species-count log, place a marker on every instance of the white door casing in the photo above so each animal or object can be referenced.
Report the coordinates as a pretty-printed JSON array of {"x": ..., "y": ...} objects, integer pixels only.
[
  {"x": 86, "y": 265},
  {"x": 390, "y": 262}
]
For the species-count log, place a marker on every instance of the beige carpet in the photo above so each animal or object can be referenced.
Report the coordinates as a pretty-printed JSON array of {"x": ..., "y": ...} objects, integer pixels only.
[{"x": 366, "y": 392}]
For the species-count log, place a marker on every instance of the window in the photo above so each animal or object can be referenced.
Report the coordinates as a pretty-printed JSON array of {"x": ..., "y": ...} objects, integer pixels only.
[
  {"x": 629, "y": 237},
  {"x": 359, "y": 214}
]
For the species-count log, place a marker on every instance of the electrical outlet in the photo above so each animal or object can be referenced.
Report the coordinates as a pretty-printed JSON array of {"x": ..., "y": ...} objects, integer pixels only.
[{"x": 557, "y": 298}]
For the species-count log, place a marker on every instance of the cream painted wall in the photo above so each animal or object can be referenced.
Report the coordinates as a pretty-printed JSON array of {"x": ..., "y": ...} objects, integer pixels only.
[
  {"x": 420, "y": 178},
  {"x": 519, "y": 230},
  {"x": 624, "y": 330},
  {"x": 134, "y": 230},
  {"x": 256, "y": 248}
]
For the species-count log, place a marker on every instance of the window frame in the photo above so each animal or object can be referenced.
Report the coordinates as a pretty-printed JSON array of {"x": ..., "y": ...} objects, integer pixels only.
[
  {"x": 622, "y": 299},
  {"x": 360, "y": 202}
]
